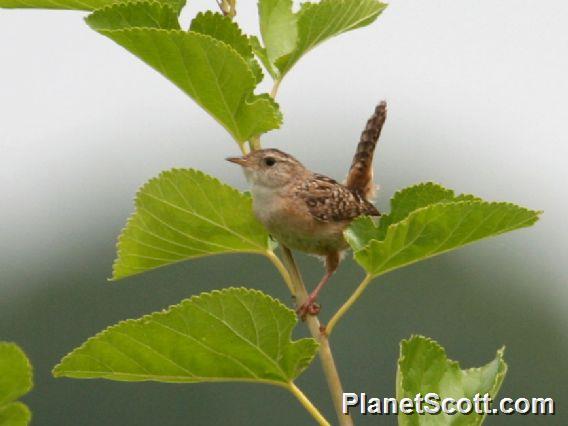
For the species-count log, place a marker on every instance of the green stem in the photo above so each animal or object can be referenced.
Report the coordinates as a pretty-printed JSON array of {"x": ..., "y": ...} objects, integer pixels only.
[
  {"x": 325, "y": 355},
  {"x": 233, "y": 9},
  {"x": 345, "y": 307},
  {"x": 228, "y": 7},
  {"x": 291, "y": 275},
  {"x": 275, "y": 88},
  {"x": 243, "y": 148},
  {"x": 308, "y": 405},
  {"x": 283, "y": 271},
  {"x": 254, "y": 143}
]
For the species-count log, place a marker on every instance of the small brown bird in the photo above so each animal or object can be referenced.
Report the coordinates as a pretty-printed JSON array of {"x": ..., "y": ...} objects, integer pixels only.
[{"x": 307, "y": 211}]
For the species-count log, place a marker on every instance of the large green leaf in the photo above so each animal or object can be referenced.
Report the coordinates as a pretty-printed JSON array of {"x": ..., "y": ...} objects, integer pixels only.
[
  {"x": 226, "y": 30},
  {"x": 183, "y": 214},
  {"x": 317, "y": 22},
  {"x": 210, "y": 71},
  {"x": 427, "y": 220},
  {"x": 15, "y": 381},
  {"x": 232, "y": 334},
  {"x": 423, "y": 367},
  {"x": 177, "y": 5},
  {"x": 278, "y": 28}
]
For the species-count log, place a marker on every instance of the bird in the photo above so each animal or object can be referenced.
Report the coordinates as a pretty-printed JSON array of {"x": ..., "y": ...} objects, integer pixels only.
[{"x": 308, "y": 211}]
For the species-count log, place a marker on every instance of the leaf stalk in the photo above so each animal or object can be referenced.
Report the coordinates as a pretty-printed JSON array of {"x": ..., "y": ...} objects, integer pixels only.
[
  {"x": 275, "y": 87},
  {"x": 254, "y": 143},
  {"x": 283, "y": 271},
  {"x": 228, "y": 7},
  {"x": 308, "y": 405},
  {"x": 348, "y": 303}
]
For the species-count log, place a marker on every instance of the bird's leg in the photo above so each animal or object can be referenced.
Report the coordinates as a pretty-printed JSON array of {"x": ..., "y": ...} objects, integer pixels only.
[{"x": 310, "y": 307}]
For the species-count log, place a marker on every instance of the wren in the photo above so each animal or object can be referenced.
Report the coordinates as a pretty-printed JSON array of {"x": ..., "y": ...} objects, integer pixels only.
[{"x": 307, "y": 211}]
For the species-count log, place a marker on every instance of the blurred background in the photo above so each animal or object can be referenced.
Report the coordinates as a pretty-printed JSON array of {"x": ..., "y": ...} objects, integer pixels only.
[{"x": 477, "y": 102}]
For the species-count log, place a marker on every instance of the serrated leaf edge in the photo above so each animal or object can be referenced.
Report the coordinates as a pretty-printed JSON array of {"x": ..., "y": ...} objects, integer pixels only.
[
  {"x": 431, "y": 184},
  {"x": 209, "y": 13},
  {"x": 124, "y": 4},
  {"x": 164, "y": 174},
  {"x": 250, "y": 97},
  {"x": 304, "y": 8},
  {"x": 500, "y": 354},
  {"x": 427, "y": 184},
  {"x": 405, "y": 221},
  {"x": 268, "y": 66},
  {"x": 193, "y": 299},
  {"x": 29, "y": 371}
]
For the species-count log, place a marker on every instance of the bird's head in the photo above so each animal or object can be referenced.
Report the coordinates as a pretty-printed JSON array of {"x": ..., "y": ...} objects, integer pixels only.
[{"x": 270, "y": 168}]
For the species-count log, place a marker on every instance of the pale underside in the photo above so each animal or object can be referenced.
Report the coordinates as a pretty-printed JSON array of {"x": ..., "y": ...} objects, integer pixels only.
[{"x": 309, "y": 215}]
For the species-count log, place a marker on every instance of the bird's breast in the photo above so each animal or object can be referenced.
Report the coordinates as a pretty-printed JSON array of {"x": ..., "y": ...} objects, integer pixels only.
[{"x": 267, "y": 203}]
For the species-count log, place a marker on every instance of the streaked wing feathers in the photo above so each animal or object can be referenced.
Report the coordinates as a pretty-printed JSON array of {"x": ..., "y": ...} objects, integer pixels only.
[{"x": 329, "y": 201}]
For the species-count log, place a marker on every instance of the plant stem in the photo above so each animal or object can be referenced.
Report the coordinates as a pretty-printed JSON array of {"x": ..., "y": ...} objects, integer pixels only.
[
  {"x": 243, "y": 148},
  {"x": 275, "y": 88},
  {"x": 283, "y": 271},
  {"x": 308, "y": 405},
  {"x": 325, "y": 355},
  {"x": 254, "y": 143},
  {"x": 228, "y": 7},
  {"x": 345, "y": 307},
  {"x": 293, "y": 278},
  {"x": 233, "y": 10}
]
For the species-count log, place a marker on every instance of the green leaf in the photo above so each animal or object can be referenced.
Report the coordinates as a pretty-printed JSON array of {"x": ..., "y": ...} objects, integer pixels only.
[
  {"x": 403, "y": 203},
  {"x": 427, "y": 220},
  {"x": 208, "y": 70},
  {"x": 15, "y": 414},
  {"x": 423, "y": 367},
  {"x": 226, "y": 30},
  {"x": 184, "y": 214},
  {"x": 150, "y": 14},
  {"x": 235, "y": 334},
  {"x": 15, "y": 381},
  {"x": 414, "y": 197},
  {"x": 318, "y": 22},
  {"x": 90, "y": 5},
  {"x": 278, "y": 28},
  {"x": 261, "y": 54}
]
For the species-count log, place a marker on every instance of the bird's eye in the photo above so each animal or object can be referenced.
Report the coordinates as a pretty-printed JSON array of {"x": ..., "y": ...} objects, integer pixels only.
[{"x": 269, "y": 161}]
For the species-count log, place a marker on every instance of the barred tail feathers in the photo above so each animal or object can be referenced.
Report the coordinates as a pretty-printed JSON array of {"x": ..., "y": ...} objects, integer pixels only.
[{"x": 360, "y": 177}]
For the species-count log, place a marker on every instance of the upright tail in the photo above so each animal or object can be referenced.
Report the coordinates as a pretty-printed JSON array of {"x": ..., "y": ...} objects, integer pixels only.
[{"x": 360, "y": 177}]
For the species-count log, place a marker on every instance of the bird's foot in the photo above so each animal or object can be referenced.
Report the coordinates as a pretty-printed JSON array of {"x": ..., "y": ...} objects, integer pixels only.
[{"x": 310, "y": 307}]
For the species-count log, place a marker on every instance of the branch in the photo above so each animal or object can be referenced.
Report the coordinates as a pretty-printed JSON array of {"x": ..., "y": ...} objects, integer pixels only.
[
  {"x": 291, "y": 275},
  {"x": 228, "y": 7},
  {"x": 326, "y": 357},
  {"x": 283, "y": 271}
]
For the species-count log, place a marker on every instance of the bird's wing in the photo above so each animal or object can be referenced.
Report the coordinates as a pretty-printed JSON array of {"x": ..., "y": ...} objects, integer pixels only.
[{"x": 329, "y": 201}]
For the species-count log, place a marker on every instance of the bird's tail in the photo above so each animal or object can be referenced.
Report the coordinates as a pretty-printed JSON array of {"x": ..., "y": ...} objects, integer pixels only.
[{"x": 360, "y": 177}]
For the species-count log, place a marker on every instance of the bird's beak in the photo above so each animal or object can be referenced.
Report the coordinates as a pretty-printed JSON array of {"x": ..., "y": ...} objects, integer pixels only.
[{"x": 241, "y": 161}]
